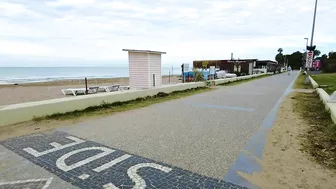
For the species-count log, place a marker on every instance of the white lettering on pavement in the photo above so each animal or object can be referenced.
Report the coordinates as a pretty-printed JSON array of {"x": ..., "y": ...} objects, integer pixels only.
[
  {"x": 56, "y": 146},
  {"x": 111, "y": 163},
  {"x": 110, "y": 186},
  {"x": 140, "y": 183},
  {"x": 60, "y": 163}
]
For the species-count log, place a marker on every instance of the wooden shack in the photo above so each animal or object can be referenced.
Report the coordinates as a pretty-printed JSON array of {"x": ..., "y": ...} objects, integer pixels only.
[{"x": 144, "y": 68}]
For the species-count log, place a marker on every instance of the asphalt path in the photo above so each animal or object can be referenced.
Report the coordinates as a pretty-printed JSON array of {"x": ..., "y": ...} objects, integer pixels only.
[{"x": 180, "y": 140}]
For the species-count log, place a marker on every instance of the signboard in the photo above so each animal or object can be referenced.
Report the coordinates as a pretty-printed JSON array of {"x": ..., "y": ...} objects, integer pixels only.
[
  {"x": 236, "y": 61},
  {"x": 317, "y": 64},
  {"x": 186, "y": 67},
  {"x": 309, "y": 61}
]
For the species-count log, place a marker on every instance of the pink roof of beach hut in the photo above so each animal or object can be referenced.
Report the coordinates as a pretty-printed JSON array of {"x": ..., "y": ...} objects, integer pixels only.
[{"x": 144, "y": 68}]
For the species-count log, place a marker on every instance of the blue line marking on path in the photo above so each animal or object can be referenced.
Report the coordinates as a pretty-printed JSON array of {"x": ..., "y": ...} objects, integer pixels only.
[
  {"x": 254, "y": 149},
  {"x": 222, "y": 107}
]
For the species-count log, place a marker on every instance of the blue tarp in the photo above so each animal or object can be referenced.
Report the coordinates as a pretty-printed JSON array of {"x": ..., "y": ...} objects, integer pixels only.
[{"x": 206, "y": 74}]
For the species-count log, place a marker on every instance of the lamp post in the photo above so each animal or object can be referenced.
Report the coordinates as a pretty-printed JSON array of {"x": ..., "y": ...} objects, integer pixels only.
[
  {"x": 311, "y": 48},
  {"x": 313, "y": 29},
  {"x": 306, "y": 38}
]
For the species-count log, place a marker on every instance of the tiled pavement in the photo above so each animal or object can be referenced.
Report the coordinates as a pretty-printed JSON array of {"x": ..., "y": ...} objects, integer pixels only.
[
  {"x": 88, "y": 164},
  {"x": 185, "y": 143}
]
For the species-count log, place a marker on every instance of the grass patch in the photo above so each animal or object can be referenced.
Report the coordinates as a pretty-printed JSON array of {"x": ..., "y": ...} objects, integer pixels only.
[
  {"x": 321, "y": 135},
  {"x": 300, "y": 83},
  {"x": 231, "y": 83},
  {"x": 326, "y": 79},
  {"x": 110, "y": 108}
]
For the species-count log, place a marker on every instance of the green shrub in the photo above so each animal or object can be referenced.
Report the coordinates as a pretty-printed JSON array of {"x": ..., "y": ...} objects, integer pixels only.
[{"x": 198, "y": 75}]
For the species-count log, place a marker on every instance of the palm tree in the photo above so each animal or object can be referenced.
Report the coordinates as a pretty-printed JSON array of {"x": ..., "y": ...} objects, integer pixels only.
[
  {"x": 279, "y": 57},
  {"x": 280, "y": 50},
  {"x": 317, "y": 53}
]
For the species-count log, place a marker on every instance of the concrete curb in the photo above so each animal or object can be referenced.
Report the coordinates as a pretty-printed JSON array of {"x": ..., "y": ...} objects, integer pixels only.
[
  {"x": 324, "y": 97},
  {"x": 313, "y": 82},
  {"x": 331, "y": 107},
  {"x": 227, "y": 80}
]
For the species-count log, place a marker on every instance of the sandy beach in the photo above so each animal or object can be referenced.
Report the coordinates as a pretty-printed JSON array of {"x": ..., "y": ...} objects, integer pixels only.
[{"x": 29, "y": 92}]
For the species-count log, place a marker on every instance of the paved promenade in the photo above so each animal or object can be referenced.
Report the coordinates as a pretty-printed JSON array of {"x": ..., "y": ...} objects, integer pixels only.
[{"x": 186, "y": 143}]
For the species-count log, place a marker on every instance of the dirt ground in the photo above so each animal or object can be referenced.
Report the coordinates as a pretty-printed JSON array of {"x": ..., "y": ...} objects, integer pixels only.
[
  {"x": 285, "y": 164},
  {"x": 10, "y": 131}
]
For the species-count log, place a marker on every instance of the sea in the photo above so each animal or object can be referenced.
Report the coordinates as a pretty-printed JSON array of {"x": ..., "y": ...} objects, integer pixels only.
[{"x": 12, "y": 75}]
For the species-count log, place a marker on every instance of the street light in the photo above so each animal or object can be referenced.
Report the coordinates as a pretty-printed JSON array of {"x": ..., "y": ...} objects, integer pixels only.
[
  {"x": 306, "y": 38},
  {"x": 313, "y": 30},
  {"x": 311, "y": 48}
]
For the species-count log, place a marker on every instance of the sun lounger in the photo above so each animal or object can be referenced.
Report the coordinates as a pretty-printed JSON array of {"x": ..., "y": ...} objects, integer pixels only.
[
  {"x": 76, "y": 91},
  {"x": 123, "y": 88},
  {"x": 109, "y": 88}
]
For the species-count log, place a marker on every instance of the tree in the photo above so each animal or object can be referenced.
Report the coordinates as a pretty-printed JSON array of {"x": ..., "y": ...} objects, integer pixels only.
[
  {"x": 322, "y": 59},
  {"x": 317, "y": 53},
  {"x": 279, "y": 57},
  {"x": 332, "y": 55},
  {"x": 329, "y": 64},
  {"x": 295, "y": 60},
  {"x": 205, "y": 64}
]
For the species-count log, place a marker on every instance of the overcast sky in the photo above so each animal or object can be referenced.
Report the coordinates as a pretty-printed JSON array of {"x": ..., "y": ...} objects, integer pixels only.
[{"x": 93, "y": 32}]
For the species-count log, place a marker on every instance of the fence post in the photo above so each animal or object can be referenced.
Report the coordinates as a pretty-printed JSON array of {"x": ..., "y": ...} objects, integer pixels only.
[
  {"x": 169, "y": 77},
  {"x": 86, "y": 86}
]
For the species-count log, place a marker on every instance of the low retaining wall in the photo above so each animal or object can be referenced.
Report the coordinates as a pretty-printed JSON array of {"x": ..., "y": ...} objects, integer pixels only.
[
  {"x": 324, "y": 96},
  {"x": 227, "y": 80},
  {"x": 313, "y": 82},
  {"x": 330, "y": 106},
  {"x": 17, "y": 113}
]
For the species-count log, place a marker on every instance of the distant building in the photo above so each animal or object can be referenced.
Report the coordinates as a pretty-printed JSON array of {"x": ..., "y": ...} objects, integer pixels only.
[
  {"x": 239, "y": 66},
  {"x": 264, "y": 63}
]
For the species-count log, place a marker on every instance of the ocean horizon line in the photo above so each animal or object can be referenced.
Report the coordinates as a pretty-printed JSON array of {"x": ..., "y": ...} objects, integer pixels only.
[
  {"x": 103, "y": 66},
  {"x": 13, "y": 75}
]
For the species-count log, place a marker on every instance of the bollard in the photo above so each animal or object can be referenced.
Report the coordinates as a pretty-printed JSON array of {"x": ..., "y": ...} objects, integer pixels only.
[
  {"x": 86, "y": 86},
  {"x": 169, "y": 77}
]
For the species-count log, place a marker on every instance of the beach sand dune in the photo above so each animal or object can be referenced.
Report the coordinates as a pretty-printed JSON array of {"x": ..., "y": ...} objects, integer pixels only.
[{"x": 29, "y": 92}]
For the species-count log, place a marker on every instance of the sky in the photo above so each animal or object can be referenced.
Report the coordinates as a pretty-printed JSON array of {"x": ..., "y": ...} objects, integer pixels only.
[{"x": 94, "y": 32}]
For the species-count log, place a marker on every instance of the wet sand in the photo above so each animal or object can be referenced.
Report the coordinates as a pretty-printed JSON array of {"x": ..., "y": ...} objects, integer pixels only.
[{"x": 29, "y": 92}]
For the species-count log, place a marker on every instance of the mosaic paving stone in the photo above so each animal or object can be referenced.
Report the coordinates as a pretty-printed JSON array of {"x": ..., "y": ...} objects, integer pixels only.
[
  {"x": 87, "y": 164},
  {"x": 32, "y": 183}
]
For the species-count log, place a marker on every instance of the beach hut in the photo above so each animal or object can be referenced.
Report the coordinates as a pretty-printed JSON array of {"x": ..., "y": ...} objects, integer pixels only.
[{"x": 144, "y": 68}]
